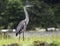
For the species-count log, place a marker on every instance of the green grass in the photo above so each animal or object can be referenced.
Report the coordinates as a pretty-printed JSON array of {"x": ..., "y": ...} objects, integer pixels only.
[{"x": 28, "y": 41}]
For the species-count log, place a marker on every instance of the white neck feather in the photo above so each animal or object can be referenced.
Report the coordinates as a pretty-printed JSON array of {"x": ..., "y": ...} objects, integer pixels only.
[{"x": 26, "y": 14}]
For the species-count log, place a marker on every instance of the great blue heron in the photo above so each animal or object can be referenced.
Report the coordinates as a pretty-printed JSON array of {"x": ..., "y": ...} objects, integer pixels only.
[{"x": 23, "y": 24}]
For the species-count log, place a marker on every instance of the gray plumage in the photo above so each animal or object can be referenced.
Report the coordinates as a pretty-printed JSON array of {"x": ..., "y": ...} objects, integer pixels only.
[
  {"x": 23, "y": 24},
  {"x": 21, "y": 27}
]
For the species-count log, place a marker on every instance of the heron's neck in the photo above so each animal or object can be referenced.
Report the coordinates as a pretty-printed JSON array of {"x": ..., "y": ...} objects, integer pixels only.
[{"x": 26, "y": 14}]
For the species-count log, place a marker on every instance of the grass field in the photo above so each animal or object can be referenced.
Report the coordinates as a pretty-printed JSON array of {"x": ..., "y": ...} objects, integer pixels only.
[{"x": 29, "y": 41}]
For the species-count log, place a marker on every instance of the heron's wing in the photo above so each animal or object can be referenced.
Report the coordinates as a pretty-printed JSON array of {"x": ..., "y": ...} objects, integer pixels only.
[
  {"x": 20, "y": 25},
  {"x": 19, "y": 29}
]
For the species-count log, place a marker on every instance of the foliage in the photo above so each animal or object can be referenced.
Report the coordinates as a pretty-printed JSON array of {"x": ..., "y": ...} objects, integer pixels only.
[
  {"x": 30, "y": 41},
  {"x": 42, "y": 14},
  {"x": 12, "y": 13},
  {"x": 40, "y": 43}
]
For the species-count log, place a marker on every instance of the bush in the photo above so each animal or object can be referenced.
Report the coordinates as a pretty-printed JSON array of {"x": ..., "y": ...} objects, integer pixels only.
[
  {"x": 53, "y": 44},
  {"x": 40, "y": 43},
  {"x": 13, "y": 44}
]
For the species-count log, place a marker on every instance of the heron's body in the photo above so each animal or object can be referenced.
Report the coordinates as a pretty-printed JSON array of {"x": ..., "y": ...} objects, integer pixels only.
[
  {"x": 22, "y": 24},
  {"x": 20, "y": 27}
]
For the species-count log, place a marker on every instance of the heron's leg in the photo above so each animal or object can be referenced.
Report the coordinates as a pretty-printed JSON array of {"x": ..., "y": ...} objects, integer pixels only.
[
  {"x": 23, "y": 35},
  {"x": 23, "y": 31},
  {"x": 19, "y": 36}
]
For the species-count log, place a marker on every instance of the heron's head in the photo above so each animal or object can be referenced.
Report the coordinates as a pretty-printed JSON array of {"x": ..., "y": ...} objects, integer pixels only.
[{"x": 28, "y": 6}]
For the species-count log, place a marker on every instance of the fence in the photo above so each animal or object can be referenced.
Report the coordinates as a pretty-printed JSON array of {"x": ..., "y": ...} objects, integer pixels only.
[{"x": 12, "y": 32}]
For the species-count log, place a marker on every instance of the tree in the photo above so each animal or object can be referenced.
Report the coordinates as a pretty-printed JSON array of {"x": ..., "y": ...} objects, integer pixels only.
[
  {"x": 41, "y": 14},
  {"x": 3, "y": 4},
  {"x": 10, "y": 13}
]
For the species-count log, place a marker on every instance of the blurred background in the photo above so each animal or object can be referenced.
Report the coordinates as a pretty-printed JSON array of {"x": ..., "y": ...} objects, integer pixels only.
[{"x": 44, "y": 14}]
